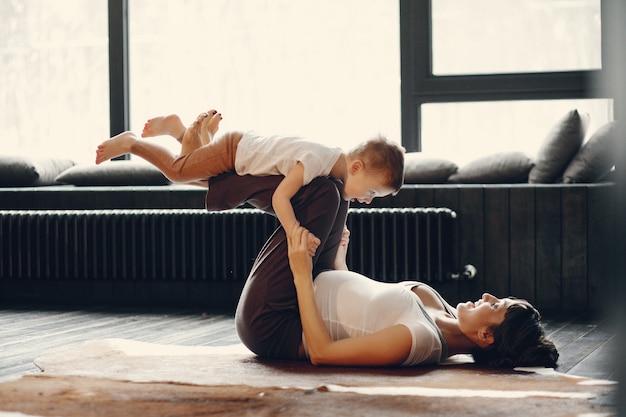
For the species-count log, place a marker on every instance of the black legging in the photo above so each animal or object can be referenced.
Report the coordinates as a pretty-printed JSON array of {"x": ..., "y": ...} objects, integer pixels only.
[{"x": 267, "y": 316}]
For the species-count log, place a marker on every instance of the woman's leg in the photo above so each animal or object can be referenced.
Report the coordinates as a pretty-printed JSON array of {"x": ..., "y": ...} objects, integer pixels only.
[
  {"x": 207, "y": 161},
  {"x": 267, "y": 316},
  {"x": 229, "y": 190}
]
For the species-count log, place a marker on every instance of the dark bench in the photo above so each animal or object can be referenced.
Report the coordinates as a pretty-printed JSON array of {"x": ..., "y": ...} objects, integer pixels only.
[{"x": 545, "y": 243}]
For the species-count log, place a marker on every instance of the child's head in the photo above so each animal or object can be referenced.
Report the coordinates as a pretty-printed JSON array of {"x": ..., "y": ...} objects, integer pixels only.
[{"x": 376, "y": 168}]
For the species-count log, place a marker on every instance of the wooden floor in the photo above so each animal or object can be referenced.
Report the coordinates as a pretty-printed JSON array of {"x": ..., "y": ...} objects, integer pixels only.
[{"x": 587, "y": 347}]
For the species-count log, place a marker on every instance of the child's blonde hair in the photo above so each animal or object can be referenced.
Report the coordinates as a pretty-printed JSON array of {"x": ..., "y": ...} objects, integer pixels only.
[{"x": 381, "y": 154}]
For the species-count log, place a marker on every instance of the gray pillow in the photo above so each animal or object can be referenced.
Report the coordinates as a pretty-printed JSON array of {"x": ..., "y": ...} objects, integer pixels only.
[
  {"x": 559, "y": 147},
  {"x": 420, "y": 168},
  {"x": 23, "y": 171},
  {"x": 113, "y": 173},
  {"x": 596, "y": 158},
  {"x": 498, "y": 168}
]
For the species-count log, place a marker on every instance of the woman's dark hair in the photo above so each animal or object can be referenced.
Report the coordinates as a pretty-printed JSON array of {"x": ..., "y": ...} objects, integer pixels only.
[{"x": 518, "y": 341}]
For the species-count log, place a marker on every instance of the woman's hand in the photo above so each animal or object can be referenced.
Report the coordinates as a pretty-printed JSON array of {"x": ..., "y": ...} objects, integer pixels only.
[
  {"x": 300, "y": 259},
  {"x": 342, "y": 250},
  {"x": 345, "y": 237}
]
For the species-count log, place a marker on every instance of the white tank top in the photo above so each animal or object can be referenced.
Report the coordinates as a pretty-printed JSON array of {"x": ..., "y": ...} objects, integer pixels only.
[{"x": 353, "y": 305}]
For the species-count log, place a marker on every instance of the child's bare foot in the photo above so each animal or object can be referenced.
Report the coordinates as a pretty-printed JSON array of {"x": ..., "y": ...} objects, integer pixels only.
[
  {"x": 114, "y": 147},
  {"x": 209, "y": 126},
  {"x": 164, "y": 125},
  {"x": 191, "y": 139}
]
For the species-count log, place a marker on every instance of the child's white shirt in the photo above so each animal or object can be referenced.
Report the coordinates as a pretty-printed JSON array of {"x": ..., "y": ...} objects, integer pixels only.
[{"x": 277, "y": 155}]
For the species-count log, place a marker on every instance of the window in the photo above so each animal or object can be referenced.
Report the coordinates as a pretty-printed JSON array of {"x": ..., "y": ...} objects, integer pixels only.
[
  {"x": 496, "y": 75},
  {"x": 54, "y": 75},
  {"x": 465, "y": 131},
  {"x": 325, "y": 69},
  {"x": 514, "y": 36}
]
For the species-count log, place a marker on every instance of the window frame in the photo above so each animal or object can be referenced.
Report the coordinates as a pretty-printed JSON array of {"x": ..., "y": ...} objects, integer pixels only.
[
  {"x": 420, "y": 86},
  {"x": 119, "y": 100}
]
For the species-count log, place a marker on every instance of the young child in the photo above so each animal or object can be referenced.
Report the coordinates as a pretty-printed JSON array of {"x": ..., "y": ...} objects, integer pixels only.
[{"x": 374, "y": 168}]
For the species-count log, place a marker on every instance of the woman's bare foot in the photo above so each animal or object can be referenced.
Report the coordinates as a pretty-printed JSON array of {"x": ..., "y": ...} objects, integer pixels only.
[
  {"x": 116, "y": 146},
  {"x": 209, "y": 126},
  {"x": 164, "y": 125}
]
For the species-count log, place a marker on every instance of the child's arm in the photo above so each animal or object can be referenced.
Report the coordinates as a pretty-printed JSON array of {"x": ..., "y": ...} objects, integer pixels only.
[{"x": 281, "y": 201}]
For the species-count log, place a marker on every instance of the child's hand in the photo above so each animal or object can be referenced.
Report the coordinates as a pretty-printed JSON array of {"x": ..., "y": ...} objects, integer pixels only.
[{"x": 313, "y": 243}]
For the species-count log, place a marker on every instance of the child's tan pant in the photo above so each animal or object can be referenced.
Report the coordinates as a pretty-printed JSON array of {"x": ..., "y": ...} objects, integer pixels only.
[{"x": 207, "y": 161}]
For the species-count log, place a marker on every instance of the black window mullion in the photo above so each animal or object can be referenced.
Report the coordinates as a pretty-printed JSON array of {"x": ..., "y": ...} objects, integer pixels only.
[
  {"x": 509, "y": 86},
  {"x": 118, "y": 67},
  {"x": 415, "y": 66}
]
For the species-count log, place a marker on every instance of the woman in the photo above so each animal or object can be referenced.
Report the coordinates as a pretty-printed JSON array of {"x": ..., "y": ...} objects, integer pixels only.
[{"x": 298, "y": 306}]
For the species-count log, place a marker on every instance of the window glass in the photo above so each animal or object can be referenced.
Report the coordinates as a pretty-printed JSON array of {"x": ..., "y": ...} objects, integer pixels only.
[
  {"x": 54, "y": 74},
  {"x": 325, "y": 69},
  {"x": 513, "y": 36},
  {"x": 466, "y": 131}
]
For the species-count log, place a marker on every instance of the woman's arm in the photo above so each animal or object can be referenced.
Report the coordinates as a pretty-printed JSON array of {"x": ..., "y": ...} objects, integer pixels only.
[
  {"x": 390, "y": 346},
  {"x": 281, "y": 201}
]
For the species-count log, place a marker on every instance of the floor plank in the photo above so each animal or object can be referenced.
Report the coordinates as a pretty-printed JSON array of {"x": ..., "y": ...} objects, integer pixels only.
[
  {"x": 586, "y": 346},
  {"x": 579, "y": 340},
  {"x": 25, "y": 334},
  {"x": 599, "y": 364}
]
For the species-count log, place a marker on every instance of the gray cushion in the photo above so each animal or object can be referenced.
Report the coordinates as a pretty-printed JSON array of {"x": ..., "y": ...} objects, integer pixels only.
[
  {"x": 596, "y": 158},
  {"x": 420, "y": 168},
  {"x": 559, "y": 147},
  {"x": 21, "y": 171},
  {"x": 498, "y": 168},
  {"x": 113, "y": 173}
]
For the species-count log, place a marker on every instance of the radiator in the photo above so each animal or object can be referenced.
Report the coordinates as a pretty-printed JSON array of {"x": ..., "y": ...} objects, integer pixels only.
[
  {"x": 182, "y": 244},
  {"x": 402, "y": 244},
  {"x": 168, "y": 244}
]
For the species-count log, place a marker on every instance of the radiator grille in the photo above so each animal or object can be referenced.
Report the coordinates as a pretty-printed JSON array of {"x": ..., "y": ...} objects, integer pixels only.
[
  {"x": 181, "y": 244},
  {"x": 402, "y": 243},
  {"x": 132, "y": 244}
]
